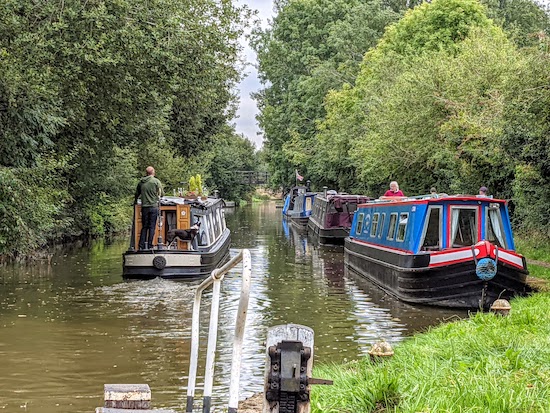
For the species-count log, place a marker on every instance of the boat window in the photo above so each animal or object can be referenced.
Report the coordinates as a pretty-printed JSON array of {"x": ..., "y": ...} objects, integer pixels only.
[
  {"x": 431, "y": 237},
  {"x": 352, "y": 207},
  {"x": 381, "y": 225},
  {"x": 217, "y": 218},
  {"x": 359, "y": 226},
  {"x": 463, "y": 227},
  {"x": 402, "y": 228},
  {"x": 203, "y": 234},
  {"x": 374, "y": 226},
  {"x": 392, "y": 226},
  {"x": 309, "y": 203},
  {"x": 495, "y": 228},
  {"x": 211, "y": 225}
]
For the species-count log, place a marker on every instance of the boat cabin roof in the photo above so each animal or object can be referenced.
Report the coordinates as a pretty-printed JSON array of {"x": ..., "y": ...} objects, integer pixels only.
[
  {"x": 428, "y": 199},
  {"x": 199, "y": 203}
]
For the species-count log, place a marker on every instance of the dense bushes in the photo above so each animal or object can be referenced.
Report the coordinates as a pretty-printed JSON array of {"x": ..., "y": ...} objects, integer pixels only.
[{"x": 447, "y": 97}]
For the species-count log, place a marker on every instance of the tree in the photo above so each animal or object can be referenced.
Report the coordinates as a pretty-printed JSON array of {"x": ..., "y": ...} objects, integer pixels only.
[{"x": 312, "y": 47}]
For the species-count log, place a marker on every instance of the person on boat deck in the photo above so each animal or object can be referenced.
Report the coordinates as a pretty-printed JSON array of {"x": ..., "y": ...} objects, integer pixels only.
[
  {"x": 149, "y": 189},
  {"x": 394, "y": 190},
  {"x": 483, "y": 191}
]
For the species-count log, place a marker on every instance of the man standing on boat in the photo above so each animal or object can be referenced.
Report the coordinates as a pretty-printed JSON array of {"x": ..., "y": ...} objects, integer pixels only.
[{"x": 150, "y": 190}]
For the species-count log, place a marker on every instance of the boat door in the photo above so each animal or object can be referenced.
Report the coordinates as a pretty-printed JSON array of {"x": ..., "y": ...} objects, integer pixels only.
[{"x": 183, "y": 222}]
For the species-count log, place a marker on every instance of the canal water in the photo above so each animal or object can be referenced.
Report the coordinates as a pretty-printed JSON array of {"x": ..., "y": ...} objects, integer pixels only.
[{"x": 70, "y": 326}]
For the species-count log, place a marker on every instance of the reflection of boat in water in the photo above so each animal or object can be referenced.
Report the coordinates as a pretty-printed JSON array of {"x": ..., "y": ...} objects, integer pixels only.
[
  {"x": 451, "y": 251},
  {"x": 298, "y": 205},
  {"x": 332, "y": 214},
  {"x": 179, "y": 257}
]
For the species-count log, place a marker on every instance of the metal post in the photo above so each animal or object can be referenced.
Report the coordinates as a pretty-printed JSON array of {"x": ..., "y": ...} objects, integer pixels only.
[
  {"x": 211, "y": 347},
  {"x": 239, "y": 334},
  {"x": 293, "y": 400},
  {"x": 215, "y": 278}
]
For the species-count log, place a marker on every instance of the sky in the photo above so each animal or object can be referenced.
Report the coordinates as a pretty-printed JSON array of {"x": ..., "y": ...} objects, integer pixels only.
[{"x": 246, "y": 115}]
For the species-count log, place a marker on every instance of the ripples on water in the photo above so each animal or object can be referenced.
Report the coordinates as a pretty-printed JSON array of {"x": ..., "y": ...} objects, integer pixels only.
[{"x": 68, "y": 328}]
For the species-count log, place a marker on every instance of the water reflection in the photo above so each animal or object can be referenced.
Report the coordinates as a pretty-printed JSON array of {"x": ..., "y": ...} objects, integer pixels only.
[{"x": 68, "y": 328}]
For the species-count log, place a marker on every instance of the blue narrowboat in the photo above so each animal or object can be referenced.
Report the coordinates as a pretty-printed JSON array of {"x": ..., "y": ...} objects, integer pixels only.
[
  {"x": 298, "y": 205},
  {"x": 450, "y": 251}
]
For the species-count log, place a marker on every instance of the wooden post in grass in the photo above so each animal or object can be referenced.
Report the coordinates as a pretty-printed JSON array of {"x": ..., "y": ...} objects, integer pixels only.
[{"x": 289, "y": 361}]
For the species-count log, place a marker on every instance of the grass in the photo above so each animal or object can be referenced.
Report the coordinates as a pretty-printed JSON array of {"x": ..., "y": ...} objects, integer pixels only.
[{"x": 484, "y": 364}]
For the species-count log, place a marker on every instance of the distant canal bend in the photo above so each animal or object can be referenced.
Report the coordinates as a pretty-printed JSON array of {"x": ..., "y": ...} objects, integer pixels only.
[{"x": 68, "y": 328}]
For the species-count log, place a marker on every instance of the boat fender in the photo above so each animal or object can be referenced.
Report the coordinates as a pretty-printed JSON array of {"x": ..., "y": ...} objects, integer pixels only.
[
  {"x": 159, "y": 262},
  {"x": 486, "y": 269}
]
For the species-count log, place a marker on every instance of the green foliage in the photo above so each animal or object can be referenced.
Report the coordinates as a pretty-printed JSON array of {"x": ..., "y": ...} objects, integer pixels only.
[
  {"x": 312, "y": 47},
  {"x": 32, "y": 207},
  {"x": 525, "y": 20},
  {"x": 192, "y": 185},
  {"x": 230, "y": 154},
  {"x": 105, "y": 84}
]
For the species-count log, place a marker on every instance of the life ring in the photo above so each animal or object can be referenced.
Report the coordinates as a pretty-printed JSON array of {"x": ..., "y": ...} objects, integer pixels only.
[
  {"x": 159, "y": 262},
  {"x": 486, "y": 269}
]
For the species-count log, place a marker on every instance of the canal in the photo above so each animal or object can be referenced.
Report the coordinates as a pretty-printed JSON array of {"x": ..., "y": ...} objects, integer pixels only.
[{"x": 71, "y": 325}]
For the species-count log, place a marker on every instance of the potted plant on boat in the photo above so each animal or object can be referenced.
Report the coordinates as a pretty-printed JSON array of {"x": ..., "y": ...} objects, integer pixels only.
[
  {"x": 191, "y": 193},
  {"x": 200, "y": 189}
]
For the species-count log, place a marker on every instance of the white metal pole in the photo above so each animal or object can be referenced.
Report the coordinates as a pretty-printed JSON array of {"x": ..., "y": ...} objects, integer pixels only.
[
  {"x": 211, "y": 348},
  {"x": 194, "y": 356},
  {"x": 239, "y": 334}
]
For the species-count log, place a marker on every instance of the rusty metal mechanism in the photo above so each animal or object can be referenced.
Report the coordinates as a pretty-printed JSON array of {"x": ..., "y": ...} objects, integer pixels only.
[{"x": 287, "y": 381}]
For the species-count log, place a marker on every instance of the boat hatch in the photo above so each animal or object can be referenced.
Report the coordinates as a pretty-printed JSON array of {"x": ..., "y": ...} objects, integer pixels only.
[
  {"x": 433, "y": 230},
  {"x": 464, "y": 226}
]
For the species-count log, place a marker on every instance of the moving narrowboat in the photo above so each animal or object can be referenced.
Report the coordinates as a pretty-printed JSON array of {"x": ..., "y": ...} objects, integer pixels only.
[
  {"x": 191, "y": 239},
  {"x": 332, "y": 214},
  {"x": 450, "y": 251},
  {"x": 298, "y": 205}
]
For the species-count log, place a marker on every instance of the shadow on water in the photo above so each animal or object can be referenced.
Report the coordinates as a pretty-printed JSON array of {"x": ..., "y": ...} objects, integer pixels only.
[{"x": 68, "y": 328}]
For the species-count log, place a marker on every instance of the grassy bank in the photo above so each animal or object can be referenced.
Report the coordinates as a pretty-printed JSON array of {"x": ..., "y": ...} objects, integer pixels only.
[{"x": 486, "y": 364}]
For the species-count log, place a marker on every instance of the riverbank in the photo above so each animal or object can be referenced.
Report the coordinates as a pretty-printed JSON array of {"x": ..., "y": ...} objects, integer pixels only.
[{"x": 487, "y": 363}]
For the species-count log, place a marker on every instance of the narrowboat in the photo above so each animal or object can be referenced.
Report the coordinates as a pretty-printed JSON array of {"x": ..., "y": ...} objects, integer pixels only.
[
  {"x": 191, "y": 239},
  {"x": 298, "y": 205},
  {"x": 450, "y": 251},
  {"x": 332, "y": 214}
]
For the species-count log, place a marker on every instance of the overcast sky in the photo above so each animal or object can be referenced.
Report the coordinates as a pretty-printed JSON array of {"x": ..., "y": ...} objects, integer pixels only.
[{"x": 246, "y": 115}]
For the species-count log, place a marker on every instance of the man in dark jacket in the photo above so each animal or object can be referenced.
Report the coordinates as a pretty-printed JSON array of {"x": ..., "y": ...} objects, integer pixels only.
[{"x": 149, "y": 189}]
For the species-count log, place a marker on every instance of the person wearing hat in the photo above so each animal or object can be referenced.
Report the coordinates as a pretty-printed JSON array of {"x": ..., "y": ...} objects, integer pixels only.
[{"x": 483, "y": 191}]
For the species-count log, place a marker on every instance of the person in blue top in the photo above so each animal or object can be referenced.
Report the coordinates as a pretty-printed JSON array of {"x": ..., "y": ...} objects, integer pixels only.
[{"x": 149, "y": 189}]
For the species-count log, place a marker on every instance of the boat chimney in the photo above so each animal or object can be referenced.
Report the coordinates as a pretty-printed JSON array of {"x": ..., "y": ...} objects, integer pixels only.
[
  {"x": 325, "y": 191},
  {"x": 308, "y": 184},
  {"x": 216, "y": 194}
]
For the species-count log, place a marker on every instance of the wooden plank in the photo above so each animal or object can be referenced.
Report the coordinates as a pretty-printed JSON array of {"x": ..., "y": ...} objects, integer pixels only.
[{"x": 127, "y": 396}]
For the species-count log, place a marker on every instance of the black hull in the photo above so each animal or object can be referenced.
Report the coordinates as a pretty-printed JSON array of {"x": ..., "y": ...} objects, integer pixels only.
[
  {"x": 333, "y": 236},
  {"x": 209, "y": 260},
  {"x": 409, "y": 278}
]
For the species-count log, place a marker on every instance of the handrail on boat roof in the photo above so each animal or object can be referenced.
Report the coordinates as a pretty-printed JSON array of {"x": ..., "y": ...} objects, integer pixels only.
[{"x": 426, "y": 196}]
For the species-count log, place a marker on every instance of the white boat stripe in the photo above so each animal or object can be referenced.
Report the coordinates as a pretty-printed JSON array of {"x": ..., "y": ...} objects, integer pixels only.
[
  {"x": 510, "y": 257},
  {"x": 452, "y": 256}
]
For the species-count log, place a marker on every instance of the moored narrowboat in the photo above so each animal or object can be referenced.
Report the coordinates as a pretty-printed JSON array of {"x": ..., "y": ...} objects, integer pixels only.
[
  {"x": 451, "y": 251},
  {"x": 332, "y": 214},
  {"x": 191, "y": 239},
  {"x": 298, "y": 205}
]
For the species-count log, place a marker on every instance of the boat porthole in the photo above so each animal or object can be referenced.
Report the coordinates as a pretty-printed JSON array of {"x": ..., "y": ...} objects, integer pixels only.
[{"x": 159, "y": 262}]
